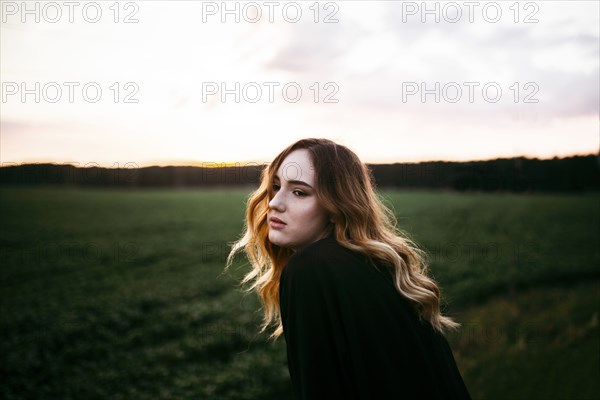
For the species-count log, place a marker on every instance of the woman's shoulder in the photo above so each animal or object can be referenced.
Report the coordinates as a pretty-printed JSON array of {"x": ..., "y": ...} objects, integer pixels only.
[
  {"x": 325, "y": 251},
  {"x": 328, "y": 259}
]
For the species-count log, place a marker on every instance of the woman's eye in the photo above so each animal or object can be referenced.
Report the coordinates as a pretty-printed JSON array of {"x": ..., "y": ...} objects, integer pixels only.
[{"x": 298, "y": 193}]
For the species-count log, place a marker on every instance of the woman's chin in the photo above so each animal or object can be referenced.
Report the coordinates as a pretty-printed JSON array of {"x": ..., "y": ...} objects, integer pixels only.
[
  {"x": 278, "y": 241},
  {"x": 275, "y": 238}
]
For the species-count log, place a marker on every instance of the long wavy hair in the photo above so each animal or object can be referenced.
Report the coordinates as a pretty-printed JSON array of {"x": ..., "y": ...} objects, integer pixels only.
[{"x": 361, "y": 222}]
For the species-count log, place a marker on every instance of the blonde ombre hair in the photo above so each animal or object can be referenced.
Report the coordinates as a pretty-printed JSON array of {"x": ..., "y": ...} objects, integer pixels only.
[{"x": 361, "y": 222}]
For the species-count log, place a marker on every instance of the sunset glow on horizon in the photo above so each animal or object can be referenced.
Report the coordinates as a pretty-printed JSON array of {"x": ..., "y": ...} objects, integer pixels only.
[{"x": 184, "y": 83}]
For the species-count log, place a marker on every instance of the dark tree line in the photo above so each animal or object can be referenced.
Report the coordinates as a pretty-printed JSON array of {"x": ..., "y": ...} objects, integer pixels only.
[{"x": 572, "y": 174}]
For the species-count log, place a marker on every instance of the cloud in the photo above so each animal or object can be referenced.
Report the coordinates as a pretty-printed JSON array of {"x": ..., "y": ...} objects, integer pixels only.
[
  {"x": 313, "y": 48},
  {"x": 371, "y": 54},
  {"x": 557, "y": 58}
]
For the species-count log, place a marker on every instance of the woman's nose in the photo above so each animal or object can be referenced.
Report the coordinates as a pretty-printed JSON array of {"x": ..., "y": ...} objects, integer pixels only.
[{"x": 276, "y": 202}]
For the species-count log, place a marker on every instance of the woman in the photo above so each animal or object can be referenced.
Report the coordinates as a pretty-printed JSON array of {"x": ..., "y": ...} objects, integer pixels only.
[{"x": 350, "y": 293}]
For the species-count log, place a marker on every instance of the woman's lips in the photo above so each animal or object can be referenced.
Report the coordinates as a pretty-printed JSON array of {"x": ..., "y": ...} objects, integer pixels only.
[{"x": 276, "y": 223}]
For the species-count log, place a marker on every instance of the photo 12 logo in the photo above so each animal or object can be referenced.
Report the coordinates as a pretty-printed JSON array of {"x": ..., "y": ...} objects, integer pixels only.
[
  {"x": 54, "y": 92},
  {"x": 53, "y": 12},
  {"x": 254, "y": 92},
  {"x": 71, "y": 173},
  {"x": 454, "y": 92},
  {"x": 273, "y": 11},
  {"x": 471, "y": 11},
  {"x": 74, "y": 251}
]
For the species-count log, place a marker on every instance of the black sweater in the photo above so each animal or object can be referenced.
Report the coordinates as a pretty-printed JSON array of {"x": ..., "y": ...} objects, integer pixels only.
[{"x": 351, "y": 335}]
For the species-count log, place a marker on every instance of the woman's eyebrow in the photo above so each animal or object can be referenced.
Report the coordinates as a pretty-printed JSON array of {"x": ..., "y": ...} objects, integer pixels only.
[{"x": 295, "y": 182}]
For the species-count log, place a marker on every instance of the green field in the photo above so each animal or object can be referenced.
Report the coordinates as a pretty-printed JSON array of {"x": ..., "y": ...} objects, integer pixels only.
[{"x": 112, "y": 294}]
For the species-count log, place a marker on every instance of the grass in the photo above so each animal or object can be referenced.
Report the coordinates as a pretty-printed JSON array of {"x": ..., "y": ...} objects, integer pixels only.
[
  {"x": 121, "y": 294},
  {"x": 543, "y": 344}
]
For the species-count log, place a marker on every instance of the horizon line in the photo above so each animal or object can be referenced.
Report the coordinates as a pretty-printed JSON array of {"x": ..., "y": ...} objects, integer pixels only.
[{"x": 223, "y": 164}]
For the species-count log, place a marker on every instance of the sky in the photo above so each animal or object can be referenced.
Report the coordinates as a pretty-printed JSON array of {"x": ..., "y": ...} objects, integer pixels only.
[{"x": 211, "y": 83}]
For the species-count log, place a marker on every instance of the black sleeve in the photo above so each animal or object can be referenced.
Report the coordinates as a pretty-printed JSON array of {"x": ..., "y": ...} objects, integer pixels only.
[
  {"x": 316, "y": 349},
  {"x": 350, "y": 335}
]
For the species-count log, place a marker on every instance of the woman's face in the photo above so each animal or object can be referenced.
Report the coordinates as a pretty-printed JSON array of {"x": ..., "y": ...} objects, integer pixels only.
[{"x": 295, "y": 203}]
